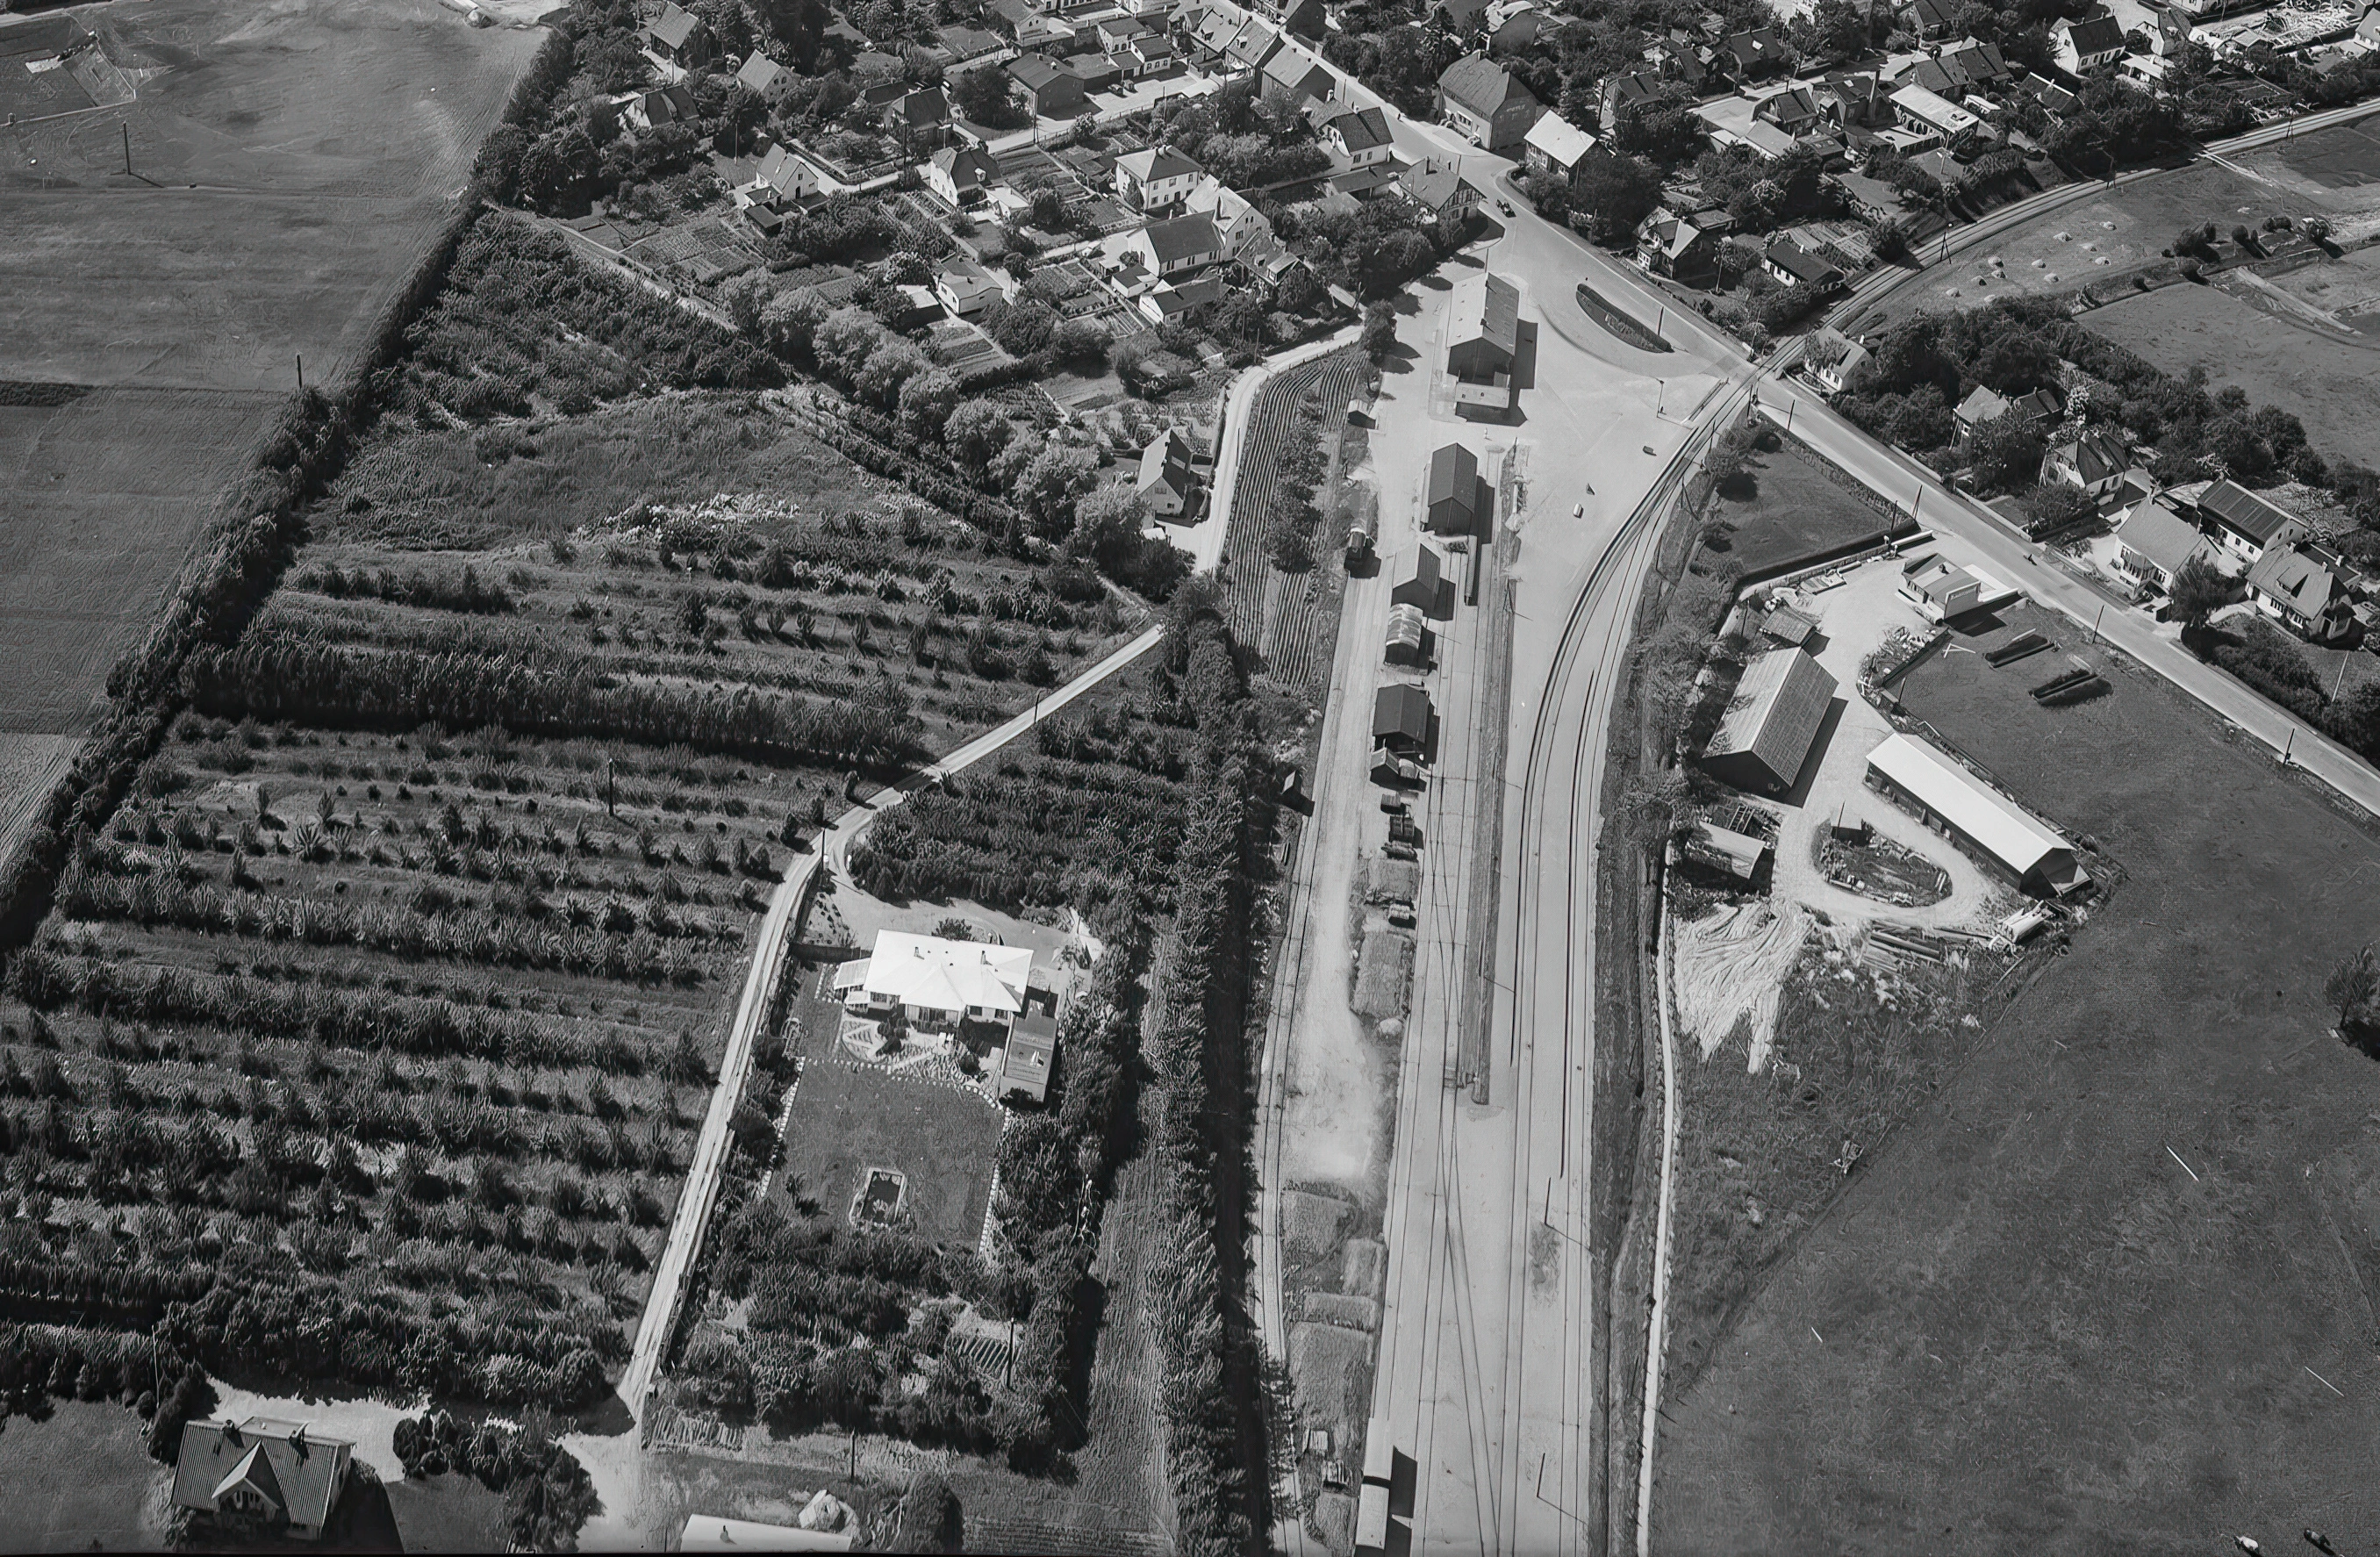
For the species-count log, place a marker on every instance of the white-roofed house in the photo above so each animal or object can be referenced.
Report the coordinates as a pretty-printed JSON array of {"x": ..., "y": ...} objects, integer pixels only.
[
  {"x": 1991, "y": 826},
  {"x": 936, "y": 984},
  {"x": 1555, "y": 145}
]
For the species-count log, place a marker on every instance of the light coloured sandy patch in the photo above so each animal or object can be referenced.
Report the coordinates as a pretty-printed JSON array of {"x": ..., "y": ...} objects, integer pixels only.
[
  {"x": 30, "y": 766},
  {"x": 370, "y": 1425},
  {"x": 1730, "y": 967}
]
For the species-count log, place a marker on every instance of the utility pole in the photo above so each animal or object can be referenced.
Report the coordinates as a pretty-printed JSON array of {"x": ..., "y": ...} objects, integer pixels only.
[
  {"x": 128, "y": 149},
  {"x": 301, "y": 372}
]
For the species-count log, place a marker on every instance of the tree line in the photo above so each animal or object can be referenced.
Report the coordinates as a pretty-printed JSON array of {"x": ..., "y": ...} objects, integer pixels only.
[{"x": 277, "y": 676}]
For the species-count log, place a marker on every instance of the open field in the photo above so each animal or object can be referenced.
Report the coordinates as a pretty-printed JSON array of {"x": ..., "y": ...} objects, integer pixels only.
[
  {"x": 2024, "y": 1323},
  {"x": 290, "y": 162},
  {"x": 81, "y": 1480},
  {"x": 1795, "y": 509},
  {"x": 2332, "y": 384},
  {"x": 2327, "y": 172},
  {"x": 849, "y": 1116}
]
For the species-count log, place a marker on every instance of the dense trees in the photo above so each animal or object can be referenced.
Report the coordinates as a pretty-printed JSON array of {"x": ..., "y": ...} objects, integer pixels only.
[{"x": 1924, "y": 367}]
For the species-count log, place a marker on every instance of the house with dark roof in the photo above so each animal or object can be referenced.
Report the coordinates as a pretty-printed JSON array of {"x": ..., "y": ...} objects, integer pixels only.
[
  {"x": 1796, "y": 266},
  {"x": 1793, "y": 110},
  {"x": 1050, "y": 91},
  {"x": 1931, "y": 20},
  {"x": 1623, "y": 91},
  {"x": 1250, "y": 50},
  {"x": 1438, "y": 188},
  {"x": 2245, "y": 524},
  {"x": 1684, "y": 249},
  {"x": 1401, "y": 716},
  {"x": 1975, "y": 66},
  {"x": 1177, "y": 246},
  {"x": 679, "y": 39},
  {"x": 2295, "y": 588},
  {"x": 1485, "y": 102},
  {"x": 2089, "y": 43},
  {"x": 660, "y": 105},
  {"x": 1766, "y": 735},
  {"x": 1361, "y": 136},
  {"x": 2094, "y": 459},
  {"x": 261, "y": 1479},
  {"x": 1452, "y": 505},
  {"x": 1855, "y": 100},
  {"x": 1167, "y": 483},
  {"x": 1419, "y": 589},
  {"x": 2049, "y": 94},
  {"x": 1757, "y": 53},
  {"x": 782, "y": 181},
  {"x": 1983, "y": 404}
]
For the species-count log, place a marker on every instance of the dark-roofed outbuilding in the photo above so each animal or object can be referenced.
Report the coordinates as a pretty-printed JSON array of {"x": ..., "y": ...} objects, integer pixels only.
[
  {"x": 1766, "y": 735},
  {"x": 1421, "y": 589},
  {"x": 1452, "y": 506},
  {"x": 1401, "y": 719}
]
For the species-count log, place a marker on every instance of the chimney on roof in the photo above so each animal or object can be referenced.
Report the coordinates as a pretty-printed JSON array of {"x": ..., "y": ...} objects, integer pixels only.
[{"x": 298, "y": 1439}]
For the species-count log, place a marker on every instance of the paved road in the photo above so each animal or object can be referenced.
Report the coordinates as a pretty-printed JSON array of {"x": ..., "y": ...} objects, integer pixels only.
[
  {"x": 1970, "y": 533},
  {"x": 770, "y": 943}
]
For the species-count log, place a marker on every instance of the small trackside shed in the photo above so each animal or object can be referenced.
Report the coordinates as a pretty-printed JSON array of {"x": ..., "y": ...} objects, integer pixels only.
[
  {"x": 1419, "y": 590},
  {"x": 1401, "y": 719},
  {"x": 1992, "y": 826},
  {"x": 1453, "y": 504},
  {"x": 1766, "y": 735}
]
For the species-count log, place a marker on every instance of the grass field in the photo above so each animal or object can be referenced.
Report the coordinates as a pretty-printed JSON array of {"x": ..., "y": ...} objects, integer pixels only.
[
  {"x": 849, "y": 1116},
  {"x": 81, "y": 1480},
  {"x": 2333, "y": 385},
  {"x": 2079, "y": 1300},
  {"x": 1795, "y": 510},
  {"x": 2325, "y": 173},
  {"x": 289, "y": 163}
]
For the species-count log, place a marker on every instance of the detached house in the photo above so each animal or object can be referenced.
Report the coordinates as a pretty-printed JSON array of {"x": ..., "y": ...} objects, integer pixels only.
[
  {"x": 2094, "y": 459},
  {"x": 1932, "y": 21},
  {"x": 2089, "y": 43},
  {"x": 1441, "y": 191},
  {"x": 1793, "y": 110},
  {"x": 2245, "y": 524},
  {"x": 1684, "y": 249},
  {"x": 959, "y": 176},
  {"x": 2296, "y": 589},
  {"x": 1361, "y": 137},
  {"x": 1624, "y": 93},
  {"x": 261, "y": 1479},
  {"x": 1155, "y": 180},
  {"x": 1166, "y": 482},
  {"x": 1051, "y": 92},
  {"x": 1298, "y": 75},
  {"x": 1178, "y": 246},
  {"x": 1796, "y": 266},
  {"x": 936, "y": 984},
  {"x": 1555, "y": 145},
  {"x": 764, "y": 75},
  {"x": 679, "y": 39},
  {"x": 1485, "y": 102},
  {"x": 2155, "y": 542},
  {"x": 782, "y": 182}
]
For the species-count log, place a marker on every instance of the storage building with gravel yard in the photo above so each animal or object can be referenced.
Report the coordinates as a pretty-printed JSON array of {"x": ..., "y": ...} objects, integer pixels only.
[
  {"x": 1944, "y": 794},
  {"x": 1766, "y": 735}
]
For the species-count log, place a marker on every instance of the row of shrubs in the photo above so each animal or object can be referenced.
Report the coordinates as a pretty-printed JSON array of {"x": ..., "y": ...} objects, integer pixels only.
[
  {"x": 547, "y": 1495},
  {"x": 48, "y": 978},
  {"x": 42, "y": 1362}
]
